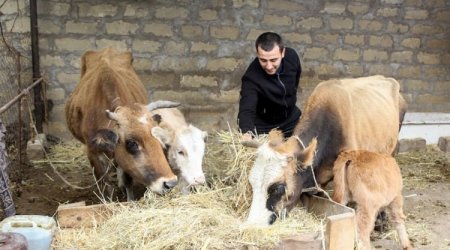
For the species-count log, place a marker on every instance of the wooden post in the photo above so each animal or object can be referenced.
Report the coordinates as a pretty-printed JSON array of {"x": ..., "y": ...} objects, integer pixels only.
[
  {"x": 340, "y": 232},
  {"x": 341, "y": 228}
]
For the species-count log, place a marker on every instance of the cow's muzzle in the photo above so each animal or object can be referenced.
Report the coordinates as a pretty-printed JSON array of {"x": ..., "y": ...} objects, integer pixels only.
[
  {"x": 163, "y": 185},
  {"x": 169, "y": 184}
]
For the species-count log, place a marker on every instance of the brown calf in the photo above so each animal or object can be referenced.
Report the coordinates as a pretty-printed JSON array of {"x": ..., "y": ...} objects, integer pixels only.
[{"x": 373, "y": 181}]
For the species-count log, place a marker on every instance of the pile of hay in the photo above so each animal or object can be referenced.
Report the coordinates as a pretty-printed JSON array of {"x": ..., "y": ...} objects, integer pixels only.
[
  {"x": 66, "y": 155},
  {"x": 211, "y": 217}
]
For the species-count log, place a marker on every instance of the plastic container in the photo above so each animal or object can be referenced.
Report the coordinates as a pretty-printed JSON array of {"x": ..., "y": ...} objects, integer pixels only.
[{"x": 37, "y": 229}]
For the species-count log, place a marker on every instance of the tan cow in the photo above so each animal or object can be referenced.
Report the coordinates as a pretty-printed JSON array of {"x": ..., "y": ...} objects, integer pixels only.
[
  {"x": 361, "y": 113},
  {"x": 185, "y": 145},
  {"x": 107, "y": 111},
  {"x": 372, "y": 181}
]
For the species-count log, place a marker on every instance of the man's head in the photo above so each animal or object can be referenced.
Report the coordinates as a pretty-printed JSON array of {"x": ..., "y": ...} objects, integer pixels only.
[{"x": 270, "y": 51}]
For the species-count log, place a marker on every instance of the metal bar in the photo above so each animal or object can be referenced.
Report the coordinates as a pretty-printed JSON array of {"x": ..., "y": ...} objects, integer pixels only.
[
  {"x": 426, "y": 123},
  {"x": 19, "y": 104},
  {"x": 38, "y": 102},
  {"x": 17, "y": 98}
]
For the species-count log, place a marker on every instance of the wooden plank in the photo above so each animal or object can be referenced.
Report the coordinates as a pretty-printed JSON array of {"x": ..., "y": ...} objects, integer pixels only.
[
  {"x": 79, "y": 215},
  {"x": 340, "y": 232},
  {"x": 324, "y": 207},
  {"x": 340, "y": 229},
  {"x": 71, "y": 205},
  {"x": 305, "y": 241}
]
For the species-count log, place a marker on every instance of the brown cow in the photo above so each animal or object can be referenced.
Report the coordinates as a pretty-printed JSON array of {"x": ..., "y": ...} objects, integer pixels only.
[
  {"x": 121, "y": 138},
  {"x": 372, "y": 181},
  {"x": 361, "y": 113}
]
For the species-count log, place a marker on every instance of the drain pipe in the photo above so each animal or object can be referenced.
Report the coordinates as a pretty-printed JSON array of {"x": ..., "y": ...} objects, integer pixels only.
[{"x": 38, "y": 103}]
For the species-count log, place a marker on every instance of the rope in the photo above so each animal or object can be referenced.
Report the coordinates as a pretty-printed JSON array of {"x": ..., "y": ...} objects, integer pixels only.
[{"x": 316, "y": 187}]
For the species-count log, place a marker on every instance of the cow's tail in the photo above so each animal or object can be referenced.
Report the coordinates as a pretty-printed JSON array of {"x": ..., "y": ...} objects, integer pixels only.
[{"x": 340, "y": 179}]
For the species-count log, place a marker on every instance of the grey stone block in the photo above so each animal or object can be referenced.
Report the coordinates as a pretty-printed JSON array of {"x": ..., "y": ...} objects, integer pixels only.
[
  {"x": 411, "y": 145},
  {"x": 444, "y": 143}
]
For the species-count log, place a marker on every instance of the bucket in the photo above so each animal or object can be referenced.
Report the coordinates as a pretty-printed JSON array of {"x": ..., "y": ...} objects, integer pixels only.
[{"x": 37, "y": 229}]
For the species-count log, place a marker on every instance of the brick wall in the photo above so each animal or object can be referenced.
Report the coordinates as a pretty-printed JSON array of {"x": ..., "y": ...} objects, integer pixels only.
[{"x": 195, "y": 52}]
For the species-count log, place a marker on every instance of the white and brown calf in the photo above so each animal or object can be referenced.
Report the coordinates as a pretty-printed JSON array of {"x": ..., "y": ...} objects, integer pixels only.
[
  {"x": 372, "y": 181},
  {"x": 185, "y": 145}
]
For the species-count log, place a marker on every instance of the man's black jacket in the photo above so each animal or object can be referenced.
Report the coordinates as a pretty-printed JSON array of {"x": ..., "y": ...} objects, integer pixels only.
[{"x": 271, "y": 98}]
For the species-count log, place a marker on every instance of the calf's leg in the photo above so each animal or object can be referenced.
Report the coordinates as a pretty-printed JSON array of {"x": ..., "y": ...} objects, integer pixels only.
[
  {"x": 381, "y": 222},
  {"x": 365, "y": 220},
  {"x": 398, "y": 218}
]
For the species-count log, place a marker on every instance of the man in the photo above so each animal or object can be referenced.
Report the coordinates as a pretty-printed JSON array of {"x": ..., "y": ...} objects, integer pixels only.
[{"x": 269, "y": 89}]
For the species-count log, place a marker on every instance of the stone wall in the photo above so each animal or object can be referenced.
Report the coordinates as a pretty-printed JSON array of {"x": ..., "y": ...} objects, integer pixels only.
[{"x": 196, "y": 51}]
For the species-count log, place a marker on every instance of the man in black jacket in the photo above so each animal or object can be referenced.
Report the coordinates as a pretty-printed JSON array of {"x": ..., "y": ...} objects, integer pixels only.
[{"x": 269, "y": 89}]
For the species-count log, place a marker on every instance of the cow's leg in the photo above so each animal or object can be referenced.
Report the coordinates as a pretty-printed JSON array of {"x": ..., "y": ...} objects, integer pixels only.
[
  {"x": 398, "y": 218},
  {"x": 365, "y": 219},
  {"x": 381, "y": 223},
  {"x": 125, "y": 181}
]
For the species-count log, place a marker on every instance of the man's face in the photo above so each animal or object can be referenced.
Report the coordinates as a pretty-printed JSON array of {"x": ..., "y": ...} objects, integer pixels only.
[{"x": 270, "y": 60}]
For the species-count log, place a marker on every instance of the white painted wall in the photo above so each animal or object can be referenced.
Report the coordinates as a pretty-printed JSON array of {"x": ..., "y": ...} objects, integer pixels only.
[{"x": 429, "y": 126}]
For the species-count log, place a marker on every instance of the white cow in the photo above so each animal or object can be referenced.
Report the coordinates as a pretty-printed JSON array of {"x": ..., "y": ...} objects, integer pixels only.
[{"x": 185, "y": 146}]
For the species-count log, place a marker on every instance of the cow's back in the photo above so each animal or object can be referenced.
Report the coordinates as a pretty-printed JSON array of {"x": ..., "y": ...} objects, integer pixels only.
[
  {"x": 369, "y": 111},
  {"x": 107, "y": 80},
  {"x": 348, "y": 114}
]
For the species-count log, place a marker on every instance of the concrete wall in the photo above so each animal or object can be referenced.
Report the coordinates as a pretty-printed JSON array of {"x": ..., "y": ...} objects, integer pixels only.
[{"x": 196, "y": 51}]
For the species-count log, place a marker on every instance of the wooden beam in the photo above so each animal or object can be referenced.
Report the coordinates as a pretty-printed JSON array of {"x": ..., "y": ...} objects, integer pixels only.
[{"x": 78, "y": 215}]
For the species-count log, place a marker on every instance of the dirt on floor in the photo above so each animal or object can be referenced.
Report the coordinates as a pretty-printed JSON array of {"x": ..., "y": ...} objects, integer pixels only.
[
  {"x": 426, "y": 191},
  {"x": 37, "y": 189}
]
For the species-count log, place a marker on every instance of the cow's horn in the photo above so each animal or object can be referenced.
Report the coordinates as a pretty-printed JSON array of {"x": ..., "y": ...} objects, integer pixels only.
[
  {"x": 112, "y": 115},
  {"x": 251, "y": 144},
  {"x": 162, "y": 104}
]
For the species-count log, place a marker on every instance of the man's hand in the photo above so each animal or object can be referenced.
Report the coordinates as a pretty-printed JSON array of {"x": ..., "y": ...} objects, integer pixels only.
[
  {"x": 248, "y": 141},
  {"x": 247, "y": 137}
]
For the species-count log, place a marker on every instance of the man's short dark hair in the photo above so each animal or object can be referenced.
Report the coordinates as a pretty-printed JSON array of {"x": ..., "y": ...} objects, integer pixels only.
[{"x": 268, "y": 40}]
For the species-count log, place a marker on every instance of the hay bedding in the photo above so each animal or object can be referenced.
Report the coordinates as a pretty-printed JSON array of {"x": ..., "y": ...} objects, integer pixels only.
[{"x": 209, "y": 218}]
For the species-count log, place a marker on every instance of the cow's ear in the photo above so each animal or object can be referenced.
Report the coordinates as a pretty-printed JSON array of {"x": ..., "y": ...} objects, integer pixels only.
[
  {"x": 105, "y": 140},
  {"x": 306, "y": 156},
  {"x": 275, "y": 137},
  {"x": 84, "y": 61},
  {"x": 162, "y": 135},
  {"x": 203, "y": 134}
]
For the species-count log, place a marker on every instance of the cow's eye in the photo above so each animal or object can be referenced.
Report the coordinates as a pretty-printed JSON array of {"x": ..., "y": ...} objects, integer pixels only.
[
  {"x": 181, "y": 152},
  {"x": 276, "y": 192},
  {"x": 132, "y": 146},
  {"x": 276, "y": 189}
]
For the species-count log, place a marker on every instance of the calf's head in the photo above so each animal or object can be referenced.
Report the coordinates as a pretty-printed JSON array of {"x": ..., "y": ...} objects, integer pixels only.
[
  {"x": 275, "y": 177},
  {"x": 135, "y": 150},
  {"x": 186, "y": 149}
]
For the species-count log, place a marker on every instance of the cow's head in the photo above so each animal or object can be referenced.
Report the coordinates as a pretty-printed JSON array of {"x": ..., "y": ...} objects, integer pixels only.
[
  {"x": 275, "y": 177},
  {"x": 136, "y": 150},
  {"x": 186, "y": 149}
]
